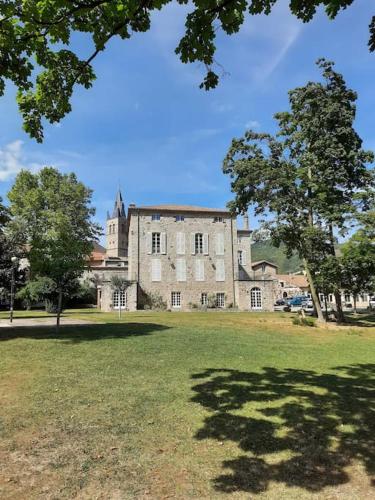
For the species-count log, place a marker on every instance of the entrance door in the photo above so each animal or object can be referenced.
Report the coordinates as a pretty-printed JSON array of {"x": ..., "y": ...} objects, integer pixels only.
[
  {"x": 119, "y": 298},
  {"x": 256, "y": 299}
]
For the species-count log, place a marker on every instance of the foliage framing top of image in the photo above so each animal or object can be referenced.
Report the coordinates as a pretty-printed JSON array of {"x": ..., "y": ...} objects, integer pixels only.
[{"x": 45, "y": 78}]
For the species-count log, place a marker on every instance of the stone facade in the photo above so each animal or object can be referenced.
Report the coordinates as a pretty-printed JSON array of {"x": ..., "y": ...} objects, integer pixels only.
[{"x": 186, "y": 255}]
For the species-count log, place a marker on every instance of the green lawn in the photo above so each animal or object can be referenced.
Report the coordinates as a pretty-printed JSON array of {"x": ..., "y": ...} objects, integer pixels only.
[{"x": 187, "y": 405}]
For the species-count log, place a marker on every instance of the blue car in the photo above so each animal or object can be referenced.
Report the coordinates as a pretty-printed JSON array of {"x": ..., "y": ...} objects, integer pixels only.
[{"x": 297, "y": 301}]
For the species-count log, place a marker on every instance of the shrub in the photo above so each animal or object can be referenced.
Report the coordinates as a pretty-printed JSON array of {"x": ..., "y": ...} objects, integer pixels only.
[
  {"x": 193, "y": 305},
  {"x": 211, "y": 301},
  {"x": 304, "y": 321},
  {"x": 153, "y": 300}
]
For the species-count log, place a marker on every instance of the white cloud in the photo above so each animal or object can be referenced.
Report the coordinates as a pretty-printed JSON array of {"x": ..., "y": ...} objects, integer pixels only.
[
  {"x": 266, "y": 40},
  {"x": 221, "y": 107},
  {"x": 252, "y": 124},
  {"x": 12, "y": 161}
]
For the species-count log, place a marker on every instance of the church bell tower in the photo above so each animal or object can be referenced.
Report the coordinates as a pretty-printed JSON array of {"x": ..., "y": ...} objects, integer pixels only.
[{"x": 117, "y": 230}]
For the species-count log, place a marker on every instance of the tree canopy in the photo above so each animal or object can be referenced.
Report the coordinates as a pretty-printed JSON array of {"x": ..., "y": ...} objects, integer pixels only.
[
  {"x": 37, "y": 53},
  {"x": 51, "y": 212},
  {"x": 312, "y": 178}
]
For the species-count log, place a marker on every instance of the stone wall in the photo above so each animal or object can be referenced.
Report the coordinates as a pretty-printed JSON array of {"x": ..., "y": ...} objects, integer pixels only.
[
  {"x": 141, "y": 226},
  {"x": 106, "y": 297},
  {"x": 268, "y": 293}
]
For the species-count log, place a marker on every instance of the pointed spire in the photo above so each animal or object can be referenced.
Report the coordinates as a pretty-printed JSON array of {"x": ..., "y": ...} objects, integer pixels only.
[{"x": 119, "y": 209}]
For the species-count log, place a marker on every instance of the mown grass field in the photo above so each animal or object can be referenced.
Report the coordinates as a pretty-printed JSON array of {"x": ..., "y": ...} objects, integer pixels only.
[{"x": 187, "y": 405}]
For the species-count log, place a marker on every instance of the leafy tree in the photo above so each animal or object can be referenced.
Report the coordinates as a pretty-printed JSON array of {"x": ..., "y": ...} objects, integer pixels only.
[
  {"x": 358, "y": 260},
  {"x": 119, "y": 285},
  {"x": 30, "y": 29},
  {"x": 9, "y": 247},
  {"x": 52, "y": 212},
  {"x": 42, "y": 288},
  {"x": 311, "y": 179},
  {"x": 4, "y": 264}
]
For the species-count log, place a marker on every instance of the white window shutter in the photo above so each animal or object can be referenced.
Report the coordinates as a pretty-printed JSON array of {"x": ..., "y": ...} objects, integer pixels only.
[
  {"x": 163, "y": 243},
  {"x": 180, "y": 243},
  {"x": 220, "y": 270},
  {"x": 192, "y": 243},
  {"x": 220, "y": 244},
  {"x": 199, "y": 270},
  {"x": 149, "y": 242},
  {"x": 155, "y": 270},
  {"x": 205, "y": 243},
  {"x": 181, "y": 270}
]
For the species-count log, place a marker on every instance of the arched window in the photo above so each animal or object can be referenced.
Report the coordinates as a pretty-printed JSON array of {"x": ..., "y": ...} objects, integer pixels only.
[
  {"x": 120, "y": 299},
  {"x": 256, "y": 298}
]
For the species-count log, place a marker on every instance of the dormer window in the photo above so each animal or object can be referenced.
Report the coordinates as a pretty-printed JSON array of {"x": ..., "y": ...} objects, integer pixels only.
[
  {"x": 180, "y": 218},
  {"x": 155, "y": 217}
]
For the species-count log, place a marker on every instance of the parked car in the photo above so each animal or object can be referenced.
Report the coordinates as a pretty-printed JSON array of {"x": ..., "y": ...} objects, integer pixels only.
[
  {"x": 296, "y": 303},
  {"x": 281, "y": 305},
  {"x": 372, "y": 302}
]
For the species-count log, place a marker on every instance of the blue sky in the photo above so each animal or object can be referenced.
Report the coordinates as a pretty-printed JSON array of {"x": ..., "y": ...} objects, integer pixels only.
[{"x": 147, "y": 126}]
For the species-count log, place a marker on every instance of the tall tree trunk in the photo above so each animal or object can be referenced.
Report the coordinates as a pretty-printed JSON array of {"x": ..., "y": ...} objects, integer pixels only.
[
  {"x": 59, "y": 309},
  {"x": 314, "y": 293},
  {"x": 325, "y": 305},
  {"x": 337, "y": 293}
]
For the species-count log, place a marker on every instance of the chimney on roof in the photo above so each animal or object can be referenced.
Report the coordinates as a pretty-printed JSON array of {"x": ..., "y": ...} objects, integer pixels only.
[
  {"x": 246, "y": 221},
  {"x": 131, "y": 205}
]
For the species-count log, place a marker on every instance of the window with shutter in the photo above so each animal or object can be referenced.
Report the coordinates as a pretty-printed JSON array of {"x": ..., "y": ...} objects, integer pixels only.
[
  {"x": 149, "y": 242},
  {"x": 205, "y": 243},
  {"x": 163, "y": 243},
  {"x": 155, "y": 270},
  {"x": 220, "y": 270},
  {"x": 180, "y": 243},
  {"x": 192, "y": 243},
  {"x": 199, "y": 270},
  {"x": 220, "y": 244},
  {"x": 243, "y": 257},
  {"x": 181, "y": 270}
]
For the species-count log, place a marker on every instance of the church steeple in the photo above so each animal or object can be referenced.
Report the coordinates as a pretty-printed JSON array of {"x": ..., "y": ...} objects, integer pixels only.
[
  {"x": 117, "y": 237},
  {"x": 119, "y": 208}
]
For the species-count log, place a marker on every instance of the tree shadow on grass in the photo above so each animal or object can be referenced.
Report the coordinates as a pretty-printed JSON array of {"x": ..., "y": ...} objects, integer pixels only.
[
  {"x": 319, "y": 423},
  {"x": 362, "y": 319},
  {"x": 81, "y": 333}
]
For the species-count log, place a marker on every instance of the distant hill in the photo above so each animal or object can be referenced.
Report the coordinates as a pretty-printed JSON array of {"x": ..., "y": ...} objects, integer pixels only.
[{"x": 265, "y": 250}]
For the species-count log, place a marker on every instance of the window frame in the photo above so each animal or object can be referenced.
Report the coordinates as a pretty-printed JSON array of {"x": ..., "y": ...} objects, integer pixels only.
[
  {"x": 154, "y": 244},
  {"x": 198, "y": 244},
  {"x": 256, "y": 299},
  {"x": 204, "y": 299},
  {"x": 179, "y": 218},
  {"x": 176, "y": 300},
  {"x": 155, "y": 217},
  {"x": 240, "y": 257},
  {"x": 220, "y": 300},
  {"x": 119, "y": 298}
]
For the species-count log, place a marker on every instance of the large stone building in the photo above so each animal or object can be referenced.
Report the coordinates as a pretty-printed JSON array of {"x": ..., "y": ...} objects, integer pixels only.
[{"x": 186, "y": 256}]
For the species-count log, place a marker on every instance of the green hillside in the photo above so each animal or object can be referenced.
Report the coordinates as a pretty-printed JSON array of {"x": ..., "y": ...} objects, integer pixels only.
[{"x": 265, "y": 250}]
